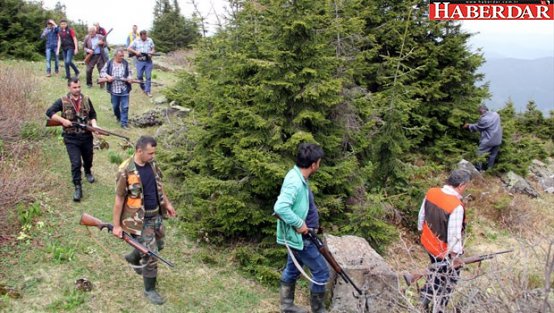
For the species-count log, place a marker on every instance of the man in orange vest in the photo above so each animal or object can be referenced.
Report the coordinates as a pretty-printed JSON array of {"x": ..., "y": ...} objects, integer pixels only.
[{"x": 441, "y": 222}]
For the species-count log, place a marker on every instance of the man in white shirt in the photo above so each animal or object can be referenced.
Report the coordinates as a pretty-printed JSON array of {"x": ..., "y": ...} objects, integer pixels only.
[{"x": 441, "y": 223}]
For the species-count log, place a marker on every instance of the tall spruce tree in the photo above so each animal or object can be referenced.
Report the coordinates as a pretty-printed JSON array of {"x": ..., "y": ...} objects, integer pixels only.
[
  {"x": 171, "y": 30},
  {"x": 335, "y": 73}
]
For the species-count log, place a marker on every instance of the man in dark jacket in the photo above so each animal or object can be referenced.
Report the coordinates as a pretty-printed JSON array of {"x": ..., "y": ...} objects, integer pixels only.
[
  {"x": 76, "y": 107},
  {"x": 491, "y": 135}
]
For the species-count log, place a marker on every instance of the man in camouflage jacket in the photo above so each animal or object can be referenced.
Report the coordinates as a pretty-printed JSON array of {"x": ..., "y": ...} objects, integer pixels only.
[{"x": 140, "y": 205}]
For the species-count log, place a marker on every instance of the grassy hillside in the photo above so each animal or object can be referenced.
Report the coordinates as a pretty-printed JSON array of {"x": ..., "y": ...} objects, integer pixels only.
[
  {"x": 53, "y": 250},
  {"x": 44, "y": 257}
]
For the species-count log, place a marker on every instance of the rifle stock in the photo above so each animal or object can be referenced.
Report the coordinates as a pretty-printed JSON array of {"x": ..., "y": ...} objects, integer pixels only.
[
  {"x": 411, "y": 278},
  {"x": 100, "y": 131},
  {"x": 91, "y": 221}
]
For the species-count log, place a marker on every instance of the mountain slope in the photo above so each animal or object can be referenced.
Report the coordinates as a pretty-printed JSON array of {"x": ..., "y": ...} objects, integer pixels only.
[{"x": 521, "y": 80}]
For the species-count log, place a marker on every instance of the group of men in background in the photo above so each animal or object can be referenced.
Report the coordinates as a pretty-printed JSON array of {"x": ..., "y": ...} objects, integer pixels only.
[
  {"x": 115, "y": 72},
  {"x": 95, "y": 46}
]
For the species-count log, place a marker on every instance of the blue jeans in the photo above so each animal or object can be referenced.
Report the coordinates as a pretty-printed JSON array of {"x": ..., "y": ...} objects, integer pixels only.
[
  {"x": 145, "y": 68},
  {"x": 68, "y": 62},
  {"x": 310, "y": 257},
  {"x": 120, "y": 105},
  {"x": 51, "y": 53}
]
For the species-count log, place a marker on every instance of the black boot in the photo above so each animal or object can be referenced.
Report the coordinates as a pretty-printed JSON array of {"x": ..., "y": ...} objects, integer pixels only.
[
  {"x": 150, "y": 291},
  {"x": 90, "y": 178},
  {"x": 133, "y": 258},
  {"x": 286, "y": 293},
  {"x": 316, "y": 302},
  {"x": 78, "y": 194}
]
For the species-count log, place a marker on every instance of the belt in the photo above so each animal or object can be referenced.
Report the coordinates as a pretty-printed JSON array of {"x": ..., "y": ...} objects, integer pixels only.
[{"x": 152, "y": 213}]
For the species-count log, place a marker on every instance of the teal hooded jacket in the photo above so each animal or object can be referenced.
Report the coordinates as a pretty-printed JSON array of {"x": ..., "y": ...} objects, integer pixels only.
[{"x": 292, "y": 206}]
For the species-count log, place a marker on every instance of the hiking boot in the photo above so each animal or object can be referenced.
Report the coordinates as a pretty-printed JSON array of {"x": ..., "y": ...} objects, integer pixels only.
[
  {"x": 286, "y": 293},
  {"x": 133, "y": 258},
  {"x": 316, "y": 302},
  {"x": 150, "y": 291},
  {"x": 78, "y": 194},
  {"x": 90, "y": 178}
]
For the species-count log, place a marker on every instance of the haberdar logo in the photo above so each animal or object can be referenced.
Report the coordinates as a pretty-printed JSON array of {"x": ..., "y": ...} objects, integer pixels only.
[{"x": 491, "y": 10}]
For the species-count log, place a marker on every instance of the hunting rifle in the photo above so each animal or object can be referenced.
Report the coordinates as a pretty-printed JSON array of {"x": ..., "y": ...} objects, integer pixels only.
[
  {"x": 89, "y": 220},
  {"x": 328, "y": 256},
  {"x": 101, "y": 131},
  {"x": 128, "y": 80},
  {"x": 89, "y": 55},
  {"x": 411, "y": 278}
]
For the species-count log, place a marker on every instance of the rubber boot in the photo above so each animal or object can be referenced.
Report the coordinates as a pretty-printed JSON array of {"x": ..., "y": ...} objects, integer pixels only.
[
  {"x": 133, "y": 258},
  {"x": 78, "y": 194},
  {"x": 286, "y": 293},
  {"x": 150, "y": 291},
  {"x": 316, "y": 302}
]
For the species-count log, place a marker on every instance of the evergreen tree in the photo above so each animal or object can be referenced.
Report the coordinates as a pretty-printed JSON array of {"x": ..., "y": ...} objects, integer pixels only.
[
  {"x": 171, "y": 30},
  {"x": 373, "y": 82},
  {"x": 519, "y": 146},
  {"x": 21, "y": 24}
]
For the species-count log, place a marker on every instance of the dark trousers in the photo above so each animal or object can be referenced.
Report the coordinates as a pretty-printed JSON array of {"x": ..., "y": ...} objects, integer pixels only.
[
  {"x": 79, "y": 147},
  {"x": 98, "y": 61},
  {"x": 493, "y": 153},
  {"x": 441, "y": 280}
]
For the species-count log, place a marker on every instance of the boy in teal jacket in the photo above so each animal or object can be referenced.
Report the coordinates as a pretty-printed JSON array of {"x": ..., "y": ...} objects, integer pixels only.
[{"x": 298, "y": 214}]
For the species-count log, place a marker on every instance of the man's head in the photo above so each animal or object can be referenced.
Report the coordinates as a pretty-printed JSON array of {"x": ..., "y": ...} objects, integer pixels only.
[
  {"x": 119, "y": 55},
  {"x": 482, "y": 109},
  {"x": 135, "y": 28},
  {"x": 143, "y": 35},
  {"x": 459, "y": 179},
  {"x": 309, "y": 156},
  {"x": 92, "y": 30},
  {"x": 145, "y": 149},
  {"x": 74, "y": 86},
  {"x": 63, "y": 23}
]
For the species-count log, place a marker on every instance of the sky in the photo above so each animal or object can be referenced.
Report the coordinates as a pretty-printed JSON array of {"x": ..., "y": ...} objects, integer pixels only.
[{"x": 513, "y": 39}]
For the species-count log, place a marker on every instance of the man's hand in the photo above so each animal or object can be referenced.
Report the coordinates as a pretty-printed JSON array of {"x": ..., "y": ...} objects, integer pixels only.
[
  {"x": 466, "y": 126},
  {"x": 75, "y": 51},
  {"x": 67, "y": 123},
  {"x": 109, "y": 78},
  {"x": 117, "y": 231},
  {"x": 171, "y": 210},
  {"x": 457, "y": 262},
  {"x": 303, "y": 229}
]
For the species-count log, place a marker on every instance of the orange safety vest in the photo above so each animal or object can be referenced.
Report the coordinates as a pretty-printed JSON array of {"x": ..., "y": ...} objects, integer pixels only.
[{"x": 438, "y": 207}]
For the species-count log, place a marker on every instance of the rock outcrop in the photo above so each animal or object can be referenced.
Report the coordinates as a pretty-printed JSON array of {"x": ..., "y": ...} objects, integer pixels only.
[
  {"x": 468, "y": 166},
  {"x": 543, "y": 174},
  {"x": 517, "y": 184},
  {"x": 368, "y": 270}
]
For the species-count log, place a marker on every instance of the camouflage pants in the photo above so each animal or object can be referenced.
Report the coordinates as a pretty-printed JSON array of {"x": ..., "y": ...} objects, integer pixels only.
[{"x": 153, "y": 233}]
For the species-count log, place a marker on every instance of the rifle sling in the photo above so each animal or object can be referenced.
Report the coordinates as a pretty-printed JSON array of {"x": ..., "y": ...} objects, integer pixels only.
[{"x": 298, "y": 266}]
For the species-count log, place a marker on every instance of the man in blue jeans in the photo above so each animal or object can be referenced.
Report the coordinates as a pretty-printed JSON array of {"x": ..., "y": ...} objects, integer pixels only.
[
  {"x": 117, "y": 72},
  {"x": 297, "y": 212},
  {"x": 143, "y": 48},
  {"x": 50, "y": 33}
]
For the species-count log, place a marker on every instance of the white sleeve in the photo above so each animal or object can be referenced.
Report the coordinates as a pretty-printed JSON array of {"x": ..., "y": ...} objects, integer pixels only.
[
  {"x": 421, "y": 216},
  {"x": 455, "y": 230}
]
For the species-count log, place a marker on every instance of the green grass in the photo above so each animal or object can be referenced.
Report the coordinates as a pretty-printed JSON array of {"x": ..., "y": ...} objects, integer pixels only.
[{"x": 56, "y": 250}]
